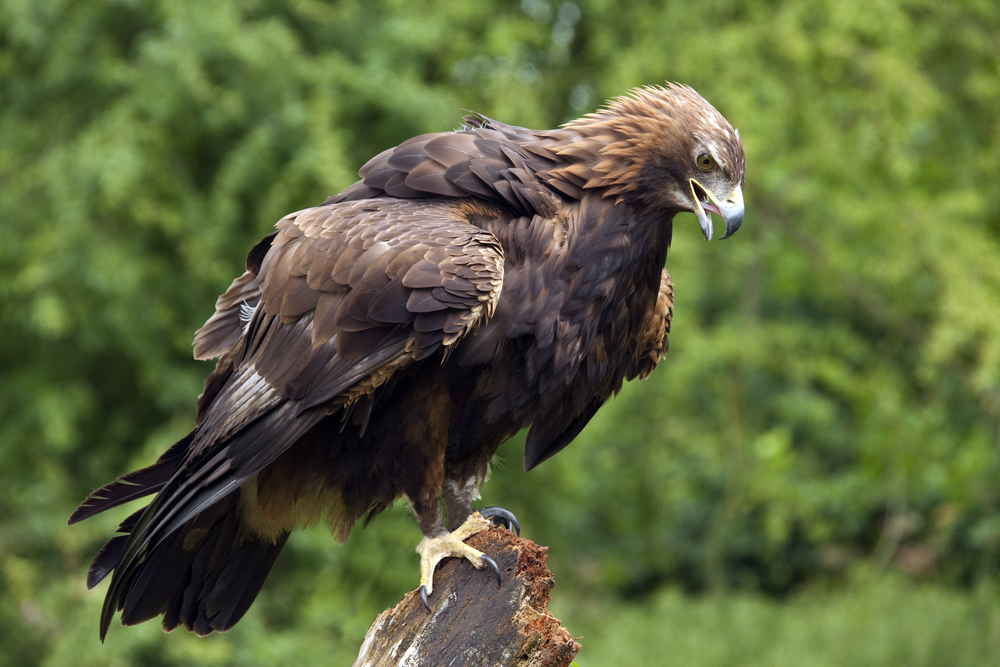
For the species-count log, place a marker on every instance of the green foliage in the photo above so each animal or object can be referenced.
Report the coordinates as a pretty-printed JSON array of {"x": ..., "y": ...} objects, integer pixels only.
[
  {"x": 883, "y": 623},
  {"x": 832, "y": 394}
]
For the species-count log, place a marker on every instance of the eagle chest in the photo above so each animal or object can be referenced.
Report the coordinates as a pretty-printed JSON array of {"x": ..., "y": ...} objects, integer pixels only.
[{"x": 572, "y": 332}]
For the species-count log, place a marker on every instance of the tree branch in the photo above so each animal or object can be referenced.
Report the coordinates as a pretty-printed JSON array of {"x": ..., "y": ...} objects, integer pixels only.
[{"x": 474, "y": 621}]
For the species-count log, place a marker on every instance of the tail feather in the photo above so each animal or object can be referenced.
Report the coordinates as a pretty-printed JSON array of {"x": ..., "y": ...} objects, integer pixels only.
[
  {"x": 107, "y": 558},
  {"x": 240, "y": 582},
  {"x": 134, "y": 485},
  {"x": 205, "y": 576}
]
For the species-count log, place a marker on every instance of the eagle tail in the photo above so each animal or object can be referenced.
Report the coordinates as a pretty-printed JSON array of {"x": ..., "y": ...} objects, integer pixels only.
[
  {"x": 107, "y": 558},
  {"x": 134, "y": 485},
  {"x": 204, "y": 576}
]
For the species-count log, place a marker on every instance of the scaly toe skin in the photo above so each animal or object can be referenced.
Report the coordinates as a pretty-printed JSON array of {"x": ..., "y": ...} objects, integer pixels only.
[
  {"x": 433, "y": 550},
  {"x": 501, "y": 517}
]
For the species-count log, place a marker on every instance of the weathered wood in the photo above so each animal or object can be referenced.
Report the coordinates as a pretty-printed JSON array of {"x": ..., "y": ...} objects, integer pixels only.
[{"x": 473, "y": 621}]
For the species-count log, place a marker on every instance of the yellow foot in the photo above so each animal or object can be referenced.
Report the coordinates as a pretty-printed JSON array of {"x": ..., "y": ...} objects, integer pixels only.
[{"x": 433, "y": 550}]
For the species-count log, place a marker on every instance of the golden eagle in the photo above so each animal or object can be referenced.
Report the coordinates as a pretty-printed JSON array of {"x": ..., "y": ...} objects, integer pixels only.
[{"x": 383, "y": 345}]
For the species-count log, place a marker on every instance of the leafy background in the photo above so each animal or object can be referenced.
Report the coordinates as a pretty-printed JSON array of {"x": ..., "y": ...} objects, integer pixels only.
[{"x": 809, "y": 478}]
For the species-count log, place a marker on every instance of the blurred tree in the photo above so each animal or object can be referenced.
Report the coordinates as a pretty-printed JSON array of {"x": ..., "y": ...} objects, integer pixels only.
[{"x": 833, "y": 388}]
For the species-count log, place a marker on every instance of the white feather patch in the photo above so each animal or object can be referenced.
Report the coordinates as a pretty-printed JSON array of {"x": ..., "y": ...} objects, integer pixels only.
[{"x": 246, "y": 314}]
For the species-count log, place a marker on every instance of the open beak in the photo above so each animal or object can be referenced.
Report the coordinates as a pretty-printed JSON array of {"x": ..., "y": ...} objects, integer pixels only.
[{"x": 706, "y": 203}]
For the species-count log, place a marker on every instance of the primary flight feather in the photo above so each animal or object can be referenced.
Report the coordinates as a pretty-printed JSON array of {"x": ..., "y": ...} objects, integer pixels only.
[{"x": 383, "y": 345}]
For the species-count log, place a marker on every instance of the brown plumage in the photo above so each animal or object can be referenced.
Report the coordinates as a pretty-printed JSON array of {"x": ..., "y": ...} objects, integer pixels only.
[{"x": 385, "y": 344}]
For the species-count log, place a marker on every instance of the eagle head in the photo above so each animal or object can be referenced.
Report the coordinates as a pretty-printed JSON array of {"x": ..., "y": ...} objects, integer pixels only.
[{"x": 667, "y": 148}]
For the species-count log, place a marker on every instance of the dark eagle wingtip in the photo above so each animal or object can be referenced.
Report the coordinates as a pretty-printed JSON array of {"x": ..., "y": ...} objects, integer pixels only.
[
  {"x": 106, "y": 560},
  {"x": 89, "y": 507}
]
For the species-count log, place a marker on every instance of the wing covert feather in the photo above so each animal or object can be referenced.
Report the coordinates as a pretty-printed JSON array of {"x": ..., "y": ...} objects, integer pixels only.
[{"x": 225, "y": 327}]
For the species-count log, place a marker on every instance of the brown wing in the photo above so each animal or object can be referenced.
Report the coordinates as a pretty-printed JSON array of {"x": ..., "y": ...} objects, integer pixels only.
[
  {"x": 489, "y": 160},
  {"x": 346, "y": 295},
  {"x": 345, "y": 291}
]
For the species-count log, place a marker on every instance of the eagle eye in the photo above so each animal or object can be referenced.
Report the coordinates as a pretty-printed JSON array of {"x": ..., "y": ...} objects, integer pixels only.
[{"x": 705, "y": 162}]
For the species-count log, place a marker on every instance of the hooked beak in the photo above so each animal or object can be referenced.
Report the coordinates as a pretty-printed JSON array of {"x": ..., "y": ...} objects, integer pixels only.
[{"x": 730, "y": 209}]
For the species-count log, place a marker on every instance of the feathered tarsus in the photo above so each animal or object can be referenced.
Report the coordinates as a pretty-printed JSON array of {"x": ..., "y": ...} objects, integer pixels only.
[{"x": 384, "y": 344}]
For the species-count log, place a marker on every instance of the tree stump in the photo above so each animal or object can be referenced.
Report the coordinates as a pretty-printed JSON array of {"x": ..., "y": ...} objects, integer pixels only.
[{"x": 473, "y": 620}]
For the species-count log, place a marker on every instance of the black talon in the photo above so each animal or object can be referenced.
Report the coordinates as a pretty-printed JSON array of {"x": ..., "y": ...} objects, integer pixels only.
[
  {"x": 501, "y": 517},
  {"x": 423, "y": 597},
  {"x": 490, "y": 563}
]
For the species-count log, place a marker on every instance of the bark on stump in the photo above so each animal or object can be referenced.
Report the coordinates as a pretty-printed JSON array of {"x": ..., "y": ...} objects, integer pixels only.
[{"x": 473, "y": 621}]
